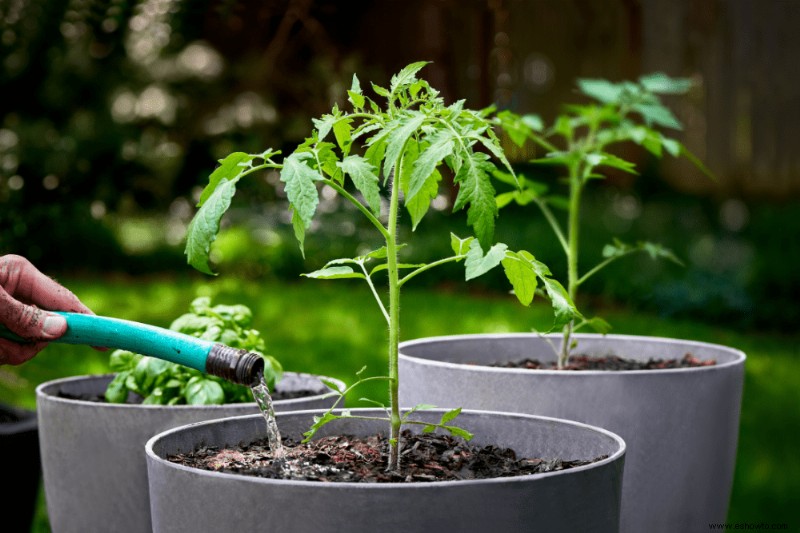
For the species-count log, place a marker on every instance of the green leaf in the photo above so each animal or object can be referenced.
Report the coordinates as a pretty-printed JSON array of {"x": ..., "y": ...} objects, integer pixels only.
[
  {"x": 459, "y": 432},
  {"x": 204, "y": 226},
  {"x": 660, "y": 83},
  {"x": 341, "y": 130},
  {"x": 380, "y": 90},
  {"x": 441, "y": 145},
  {"x": 601, "y": 90},
  {"x": 230, "y": 169},
  {"x": 478, "y": 264},
  {"x": 405, "y": 127},
  {"x": 301, "y": 188},
  {"x": 406, "y": 76},
  {"x": 123, "y": 360},
  {"x": 336, "y": 272},
  {"x": 517, "y": 130},
  {"x": 519, "y": 271},
  {"x": 450, "y": 415},
  {"x": 203, "y": 391},
  {"x": 334, "y": 386},
  {"x": 355, "y": 95},
  {"x": 476, "y": 189},
  {"x": 324, "y": 125},
  {"x": 460, "y": 246},
  {"x": 563, "y": 307},
  {"x": 610, "y": 160},
  {"x": 658, "y": 114},
  {"x": 364, "y": 178},
  {"x": 117, "y": 392},
  {"x": 599, "y": 325}
]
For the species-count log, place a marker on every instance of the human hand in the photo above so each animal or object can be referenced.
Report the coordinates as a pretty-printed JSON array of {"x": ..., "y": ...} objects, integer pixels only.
[{"x": 25, "y": 297}]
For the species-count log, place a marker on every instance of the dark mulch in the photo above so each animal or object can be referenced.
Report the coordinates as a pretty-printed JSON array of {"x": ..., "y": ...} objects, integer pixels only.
[
  {"x": 344, "y": 458},
  {"x": 611, "y": 362},
  {"x": 136, "y": 399}
]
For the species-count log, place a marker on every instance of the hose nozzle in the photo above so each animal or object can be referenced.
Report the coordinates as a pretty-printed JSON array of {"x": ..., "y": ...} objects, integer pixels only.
[{"x": 235, "y": 365}]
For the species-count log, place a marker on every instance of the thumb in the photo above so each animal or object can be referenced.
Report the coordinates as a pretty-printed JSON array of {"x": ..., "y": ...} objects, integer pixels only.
[{"x": 30, "y": 322}]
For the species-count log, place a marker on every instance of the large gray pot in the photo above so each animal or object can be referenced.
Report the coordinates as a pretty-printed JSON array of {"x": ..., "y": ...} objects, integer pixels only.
[
  {"x": 680, "y": 425},
  {"x": 93, "y": 460},
  {"x": 584, "y": 499}
]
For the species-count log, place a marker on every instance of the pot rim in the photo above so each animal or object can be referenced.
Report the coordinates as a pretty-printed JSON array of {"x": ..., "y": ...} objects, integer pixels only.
[
  {"x": 43, "y": 391},
  {"x": 739, "y": 359},
  {"x": 350, "y": 485}
]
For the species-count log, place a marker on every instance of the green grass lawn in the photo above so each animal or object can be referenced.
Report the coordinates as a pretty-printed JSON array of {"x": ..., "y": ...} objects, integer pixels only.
[{"x": 334, "y": 328}]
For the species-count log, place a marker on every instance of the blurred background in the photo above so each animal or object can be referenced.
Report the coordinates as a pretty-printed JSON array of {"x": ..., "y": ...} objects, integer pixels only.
[{"x": 114, "y": 112}]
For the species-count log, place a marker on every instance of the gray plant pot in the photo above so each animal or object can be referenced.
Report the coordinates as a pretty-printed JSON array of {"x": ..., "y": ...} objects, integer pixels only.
[
  {"x": 680, "y": 426},
  {"x": 93, "y": 460},
  {"x": 584, "y": 499}
]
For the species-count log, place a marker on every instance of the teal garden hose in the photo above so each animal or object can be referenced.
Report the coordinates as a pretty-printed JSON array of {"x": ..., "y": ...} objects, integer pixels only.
[{"x": 238, "y": 366}]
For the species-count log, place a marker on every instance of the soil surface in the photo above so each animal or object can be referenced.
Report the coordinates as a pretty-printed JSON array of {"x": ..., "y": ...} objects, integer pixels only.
[
  {"x": 344, "y": 458},
  {"x": 611, "y": 362},
  {"x": 136, "y": 399}
]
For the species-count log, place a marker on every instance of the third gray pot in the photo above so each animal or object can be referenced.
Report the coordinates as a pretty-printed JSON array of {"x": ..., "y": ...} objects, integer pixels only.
[
  {"x": 582, "y": 499},
  {"x": 680, "y": 425},
  {"x": 95, "y": 473}
]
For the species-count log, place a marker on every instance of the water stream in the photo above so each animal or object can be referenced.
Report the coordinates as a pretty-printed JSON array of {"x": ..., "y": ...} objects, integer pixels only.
[{"x": 264, "y": 401}]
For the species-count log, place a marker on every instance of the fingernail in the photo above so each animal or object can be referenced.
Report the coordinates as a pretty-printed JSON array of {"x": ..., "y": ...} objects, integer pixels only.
[{"x": 54, "y": 325}]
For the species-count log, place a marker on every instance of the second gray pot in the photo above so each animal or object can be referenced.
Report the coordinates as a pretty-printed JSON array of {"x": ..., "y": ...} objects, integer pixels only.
[
  {"x": 680, "y": 425},
  {"x": 93, "y": 461}
]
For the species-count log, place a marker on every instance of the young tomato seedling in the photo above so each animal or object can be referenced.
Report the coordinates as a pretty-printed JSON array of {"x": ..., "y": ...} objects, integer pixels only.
[
  {"x": 398, "y": 149},
  {"x": 578, "y": 141}
]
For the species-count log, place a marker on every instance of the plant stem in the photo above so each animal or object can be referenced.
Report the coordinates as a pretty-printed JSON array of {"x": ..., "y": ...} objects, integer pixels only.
[
  {"x": 394, "y": 321},
  {"x": 572, "y": 254}
]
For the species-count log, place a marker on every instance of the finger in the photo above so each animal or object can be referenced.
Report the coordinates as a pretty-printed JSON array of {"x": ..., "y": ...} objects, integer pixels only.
[
  {"x": 25, "y": 282},
  {"x": 14, "y": 354},
  {"x": 28, "y": 321}
]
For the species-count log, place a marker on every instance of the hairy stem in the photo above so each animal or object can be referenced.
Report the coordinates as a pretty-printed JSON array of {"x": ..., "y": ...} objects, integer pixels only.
[
  {"x": 572, "y": 255},
  {"x": 394, "y": 320}
]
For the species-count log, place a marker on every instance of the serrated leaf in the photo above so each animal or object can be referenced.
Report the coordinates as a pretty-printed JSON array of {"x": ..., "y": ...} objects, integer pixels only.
[
  {"x": 475, "y": 189},
  {"x": 478, "y": 264},
  {"x": 563, "y": 307},
  {"x": 229, "y": 169},
  {"x": 441, "y": 145},
  {"x": 407, "y": 75},
  {"x": 335, "y": 272},
  {"x": 364, "y": 178},
  {"x": 301, "y": 189},
  {"x": 341, "y": 131},
  {"x": 399, "y": 135},
  {"x": 518, "y": 270},
  {"x": 355, "y": 95},
  {"x": 380, "y": 90},
  {"x": 203, "y": 228},
  {"x": 324, "y": 125}
]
